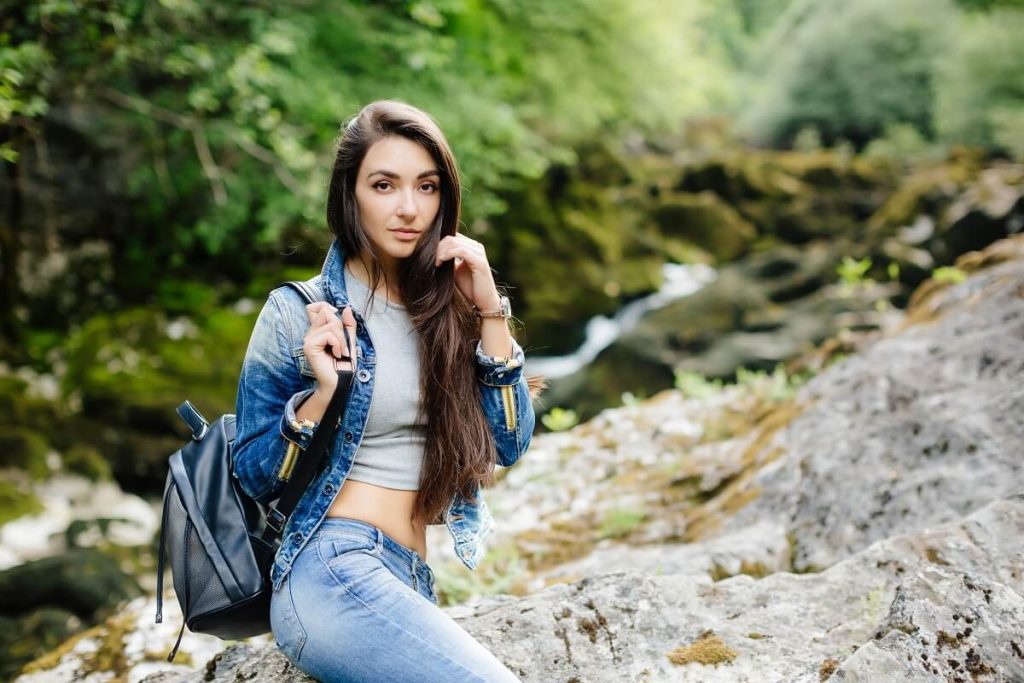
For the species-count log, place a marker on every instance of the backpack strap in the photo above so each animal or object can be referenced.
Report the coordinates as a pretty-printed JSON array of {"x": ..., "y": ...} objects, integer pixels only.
[
  {"x": 308, "y": 291},
  {"x": 312, "y": 460}
]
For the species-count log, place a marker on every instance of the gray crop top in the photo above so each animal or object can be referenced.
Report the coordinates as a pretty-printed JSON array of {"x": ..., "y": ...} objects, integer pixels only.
[{"x": 391, "y": 452}]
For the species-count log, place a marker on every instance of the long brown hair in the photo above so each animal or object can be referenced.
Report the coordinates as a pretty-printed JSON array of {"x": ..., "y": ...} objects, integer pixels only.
[{"x": 460, "y": 451}]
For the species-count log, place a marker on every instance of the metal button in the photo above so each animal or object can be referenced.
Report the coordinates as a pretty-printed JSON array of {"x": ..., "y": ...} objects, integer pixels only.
[
  {"x": 363, "y": 375},
  {"x": 348, "y": 437},
  {"x": 328, "y": 489},
  {"x": 298, "y": 535}
]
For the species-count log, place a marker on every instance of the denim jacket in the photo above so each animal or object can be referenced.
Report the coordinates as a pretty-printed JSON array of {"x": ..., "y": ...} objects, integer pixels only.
[{"x": 276, "y": 378}]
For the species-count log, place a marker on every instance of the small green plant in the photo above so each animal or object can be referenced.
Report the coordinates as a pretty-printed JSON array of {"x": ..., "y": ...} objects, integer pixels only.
[
  {"x": 560, "y": 419},
  {"x": 620, "y": 522},
  {"x": 696, "y": 385},
  {"x": 853, "y": 272},
  {"x": 894, "y": 271},
  {"x": 950, "y": 275},
  {"x": 777, "y": 386}
]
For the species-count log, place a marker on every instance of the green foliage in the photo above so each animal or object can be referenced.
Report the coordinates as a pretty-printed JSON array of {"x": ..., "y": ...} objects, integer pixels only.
[
  {"x": 853, "y": 272},
  {"x": 226, "y": 111},
  {"x": 949, "y": 275},
  {"x": 696, "y": 385},
  {"x": 980, "y": 95},
  {"x": 16, "y": 501},
  {"x": 620, "y": 522},
  {"x": 775, "y": 386},
  {"x": 849, "y": 69},
  {"x": 560, "y": 419},
  {"x": 902, "y": 141}
]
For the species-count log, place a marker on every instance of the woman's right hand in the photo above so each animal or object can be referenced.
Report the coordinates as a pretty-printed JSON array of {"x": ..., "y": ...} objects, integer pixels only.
[{"x": 326, "y": 341}]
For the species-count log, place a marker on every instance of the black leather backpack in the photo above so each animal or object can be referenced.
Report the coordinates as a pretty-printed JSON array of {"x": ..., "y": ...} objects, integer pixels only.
[{"x": 221, "y": 542}]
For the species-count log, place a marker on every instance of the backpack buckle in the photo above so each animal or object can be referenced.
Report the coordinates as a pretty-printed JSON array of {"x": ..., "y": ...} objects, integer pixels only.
[
  {"x": 194, "y": 419},
  {"x": 276, "y": 520}
]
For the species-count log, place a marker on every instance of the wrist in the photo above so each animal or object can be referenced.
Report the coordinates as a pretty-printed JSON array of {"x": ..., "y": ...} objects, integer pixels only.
[{"x": 314, "y": 407}]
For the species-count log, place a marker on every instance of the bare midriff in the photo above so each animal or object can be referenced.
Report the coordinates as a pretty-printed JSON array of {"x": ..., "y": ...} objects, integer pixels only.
[{"x": 390, "y": 510}]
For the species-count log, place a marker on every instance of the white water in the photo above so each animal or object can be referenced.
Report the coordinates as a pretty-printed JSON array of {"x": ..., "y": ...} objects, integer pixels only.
[{"x": 678, "y": 281}]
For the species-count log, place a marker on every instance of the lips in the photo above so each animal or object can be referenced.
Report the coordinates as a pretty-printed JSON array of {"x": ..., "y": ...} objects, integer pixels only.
[{"x": 405, "y": 234}]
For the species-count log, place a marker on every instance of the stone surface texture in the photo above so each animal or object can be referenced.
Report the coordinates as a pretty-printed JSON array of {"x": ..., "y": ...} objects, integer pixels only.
[{"x": 868, "y": 526}]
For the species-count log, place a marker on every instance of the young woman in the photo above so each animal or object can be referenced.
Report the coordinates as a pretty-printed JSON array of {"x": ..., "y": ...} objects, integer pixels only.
[{"x": 439, "y": 397}]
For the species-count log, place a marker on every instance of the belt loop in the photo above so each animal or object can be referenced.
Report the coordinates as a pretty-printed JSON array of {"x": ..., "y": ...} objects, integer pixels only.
[{"x": 380, "y": 540}]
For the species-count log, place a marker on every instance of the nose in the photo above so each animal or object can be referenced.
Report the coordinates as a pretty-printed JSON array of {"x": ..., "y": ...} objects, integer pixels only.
[{"x": 407, "y": 205}]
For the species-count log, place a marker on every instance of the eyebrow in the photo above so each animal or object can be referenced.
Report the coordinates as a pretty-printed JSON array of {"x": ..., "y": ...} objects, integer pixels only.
[{"x": 392, "y": 174}]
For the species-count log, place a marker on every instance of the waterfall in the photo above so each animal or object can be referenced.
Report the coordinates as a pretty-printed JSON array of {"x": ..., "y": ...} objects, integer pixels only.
[{"x": 678, "y": 280}]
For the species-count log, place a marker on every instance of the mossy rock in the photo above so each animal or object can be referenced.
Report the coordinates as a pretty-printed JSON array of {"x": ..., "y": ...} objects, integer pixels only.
[
  {"x": 571, "y": 227},
  {"x": 82, "y": 581},
  {"x": 704, "y": 220},
  {"x": 87, "y": 461},
  {"x": 130, "y": 375},
  {"x": 16, "y": 500},
  {"x": 925, "y": 190},
  {"x": 25, "y": 637},
  {"x": 24, "y": 449},
  {"x": 17, "y": 408},
  {"x": 600, "y": 384}
]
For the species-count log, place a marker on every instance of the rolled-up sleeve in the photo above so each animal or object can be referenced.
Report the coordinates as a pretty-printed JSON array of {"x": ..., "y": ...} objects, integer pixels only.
[
  {"x": 505, "y": 397},
  {"x": 269, "y": 381}
]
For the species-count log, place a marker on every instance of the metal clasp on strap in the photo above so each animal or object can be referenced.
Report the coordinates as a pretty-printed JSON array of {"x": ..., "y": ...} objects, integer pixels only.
[
  {"x": 194, "y": 419},
  {"x": 276, "y": 520}
]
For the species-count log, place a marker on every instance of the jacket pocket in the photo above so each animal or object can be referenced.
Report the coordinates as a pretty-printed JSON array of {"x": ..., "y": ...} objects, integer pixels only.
[{"x": 299, "y": 355}]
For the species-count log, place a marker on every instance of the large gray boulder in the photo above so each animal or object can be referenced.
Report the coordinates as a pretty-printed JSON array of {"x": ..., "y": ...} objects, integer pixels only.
[{"x": 941, "y": 604}]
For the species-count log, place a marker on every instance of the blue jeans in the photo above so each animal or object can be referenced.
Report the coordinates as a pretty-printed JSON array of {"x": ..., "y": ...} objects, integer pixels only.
[{"x": 359, "y": 606}]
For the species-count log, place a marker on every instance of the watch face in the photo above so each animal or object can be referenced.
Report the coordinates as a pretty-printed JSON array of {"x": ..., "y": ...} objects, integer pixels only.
[{"x": 506, "y": 307}]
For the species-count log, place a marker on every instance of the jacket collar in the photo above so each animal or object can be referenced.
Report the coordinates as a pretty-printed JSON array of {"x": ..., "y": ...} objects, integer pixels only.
[{"x": 332, "y": 276}]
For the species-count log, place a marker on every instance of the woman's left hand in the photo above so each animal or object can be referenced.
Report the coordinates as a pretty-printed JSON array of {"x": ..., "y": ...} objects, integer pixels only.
[{"x": 473, "y": 274}]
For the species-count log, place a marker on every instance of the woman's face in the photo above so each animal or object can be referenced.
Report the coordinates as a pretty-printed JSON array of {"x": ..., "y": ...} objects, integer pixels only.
[{"x": 398, "y": 192}]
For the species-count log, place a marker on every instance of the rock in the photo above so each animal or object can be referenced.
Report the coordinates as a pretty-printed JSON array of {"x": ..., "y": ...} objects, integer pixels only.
[
  {"x": 72, "y": 502},
  {"x": 82, "y": 581},
  {"x": 757, "y": 550},
  {"x": 43, "y": 601},
  {"x": 889, "y": 445},
  {"x": 765, "y": 309},
  {"x": 898, "y": 598},
  {"x": 891, "y": 483},
  {"x": 705, "y": 221},
  {"x": 948, "y": 623}
]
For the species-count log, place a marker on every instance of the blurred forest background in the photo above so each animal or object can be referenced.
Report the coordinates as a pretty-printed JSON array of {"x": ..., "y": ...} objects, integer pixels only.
[{"x": 165, "y": 164}]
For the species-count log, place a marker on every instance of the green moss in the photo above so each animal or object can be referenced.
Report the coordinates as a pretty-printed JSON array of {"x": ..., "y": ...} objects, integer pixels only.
[
  {"x": 621, "y": 522},
  {"x": 108, "y": 657},
  {"x": 504, "y": 572},
  {"x": 24, "y": 449},
  {"x": 706, "y": 222},
  {"x": 754, "y": 569},
  {"x": 87, "y": 461},
  {"x": 16, "y": 502}
]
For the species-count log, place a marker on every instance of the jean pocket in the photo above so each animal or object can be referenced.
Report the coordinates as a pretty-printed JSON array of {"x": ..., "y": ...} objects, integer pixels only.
[
  {"x": 284, "y": 622},
  {"x": 336, "y": 545}
]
